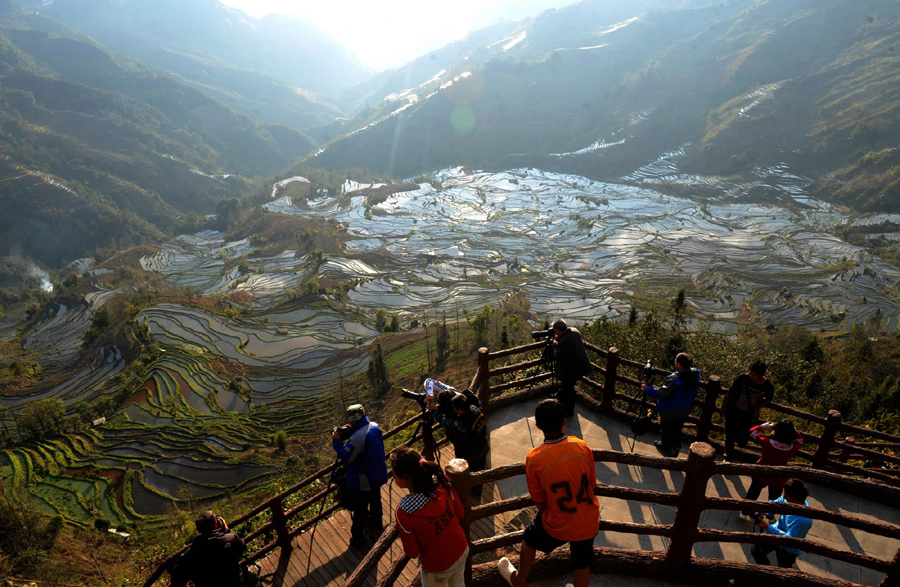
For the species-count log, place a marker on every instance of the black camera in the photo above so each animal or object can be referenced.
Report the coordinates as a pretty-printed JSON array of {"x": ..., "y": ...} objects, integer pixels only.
[
  {"x": 648, "y": 370},
  {"x": 419, "y": 397},
  {"x": 343, "y": 432},
  {"x": 539, "y": 334}
]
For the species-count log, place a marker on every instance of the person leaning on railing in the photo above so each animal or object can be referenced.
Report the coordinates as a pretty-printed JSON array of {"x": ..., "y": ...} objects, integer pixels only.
[
  {"x": 561, "y": 477},
  {"x": 213, "y": 558},
  {"x": 463, "y": 420},
  {"x": 777, "y": 450},
  {"x": 571, "y": 362},
  {"x": 749, "y": 394},
  {"x": 428, "y": 520},
  {"x": 363, "y": 455},
  {"x": 795, "y": 492},
  {"x": 674, "y": 401}
]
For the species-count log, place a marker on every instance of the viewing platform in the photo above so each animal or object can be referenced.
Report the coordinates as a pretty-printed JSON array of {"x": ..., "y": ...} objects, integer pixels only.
[{"x": 663, "y": 520}]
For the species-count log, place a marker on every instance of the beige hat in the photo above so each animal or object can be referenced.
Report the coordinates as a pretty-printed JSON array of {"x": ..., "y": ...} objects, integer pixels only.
[{"x": 355, "y": 412}]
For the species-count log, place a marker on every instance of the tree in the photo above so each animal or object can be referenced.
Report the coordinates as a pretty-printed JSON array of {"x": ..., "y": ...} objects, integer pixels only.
[
  {"x": 279, "y": 440},
  {"x": 480, "y": 323},
  {"x": 380, "y": 320},
  {"x": 443, "y": 341},
  {"x": 42, "y": 418},
  {"x": 395, "y": 324},
  {"x": 679, "y": 307},
  {"x": 377, "y": 372},
  {"x": 226, "y": 212}
]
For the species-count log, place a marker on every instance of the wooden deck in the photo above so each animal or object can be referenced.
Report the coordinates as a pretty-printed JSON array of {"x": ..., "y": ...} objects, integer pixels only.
[{"x": 328, "y": 560}]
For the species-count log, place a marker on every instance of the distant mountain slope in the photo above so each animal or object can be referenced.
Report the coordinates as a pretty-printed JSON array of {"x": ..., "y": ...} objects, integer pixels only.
[
  {"x": 265, "y": 68},
  {"x": 605, "y": 86},
  {"x": 97, "y": 152}
]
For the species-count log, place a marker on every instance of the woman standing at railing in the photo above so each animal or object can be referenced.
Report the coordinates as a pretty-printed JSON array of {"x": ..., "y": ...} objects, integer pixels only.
[
  {"x": 777, "y": 450},
  {"x": 428, "y": 520}
]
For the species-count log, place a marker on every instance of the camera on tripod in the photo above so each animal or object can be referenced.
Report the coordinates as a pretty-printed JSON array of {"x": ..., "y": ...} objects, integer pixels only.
[
  {"x": 539, "y": 334},
  {"x": 648, "y": 370},
  {"x": 344, "y": 432},
  {"x": 419, "y": 397}
]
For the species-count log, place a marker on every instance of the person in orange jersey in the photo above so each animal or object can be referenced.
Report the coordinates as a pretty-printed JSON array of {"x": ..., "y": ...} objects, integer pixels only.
[{"x": 561, "y": 478}]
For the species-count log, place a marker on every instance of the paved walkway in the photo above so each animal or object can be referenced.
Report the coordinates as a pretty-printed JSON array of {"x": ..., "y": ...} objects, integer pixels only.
[{"x": 513, "y": 434}]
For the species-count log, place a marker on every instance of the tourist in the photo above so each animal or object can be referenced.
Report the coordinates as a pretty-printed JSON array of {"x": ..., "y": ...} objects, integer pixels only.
[
  {"x": 363, "y": 455},
  {"x": 674, "y": 401},
  {"x": 466, "y": 428},
  {"x": 213, "y": 557},
  {"x": 749, "y": 394},
  {"x": 428, "y": 520},
  {"x": 795, "y": 526},
  {"x": 561, "y": 478},
  {"x": 571, "y": 363},
  {"x": 777, "y": 450}
]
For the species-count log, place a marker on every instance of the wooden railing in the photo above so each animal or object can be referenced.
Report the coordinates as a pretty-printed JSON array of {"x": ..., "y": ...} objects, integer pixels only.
[
  {"x": 837, "y": 443},
  {"x": 278, "y": 523},
  {"x": 689, "y": 503}
]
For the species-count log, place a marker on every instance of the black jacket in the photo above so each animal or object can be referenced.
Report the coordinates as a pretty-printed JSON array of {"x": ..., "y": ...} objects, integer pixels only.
[
  {"x": 572, "y": 362},
  {"x": 211, "y": 561},
  {"x": 467, "y": 432}
]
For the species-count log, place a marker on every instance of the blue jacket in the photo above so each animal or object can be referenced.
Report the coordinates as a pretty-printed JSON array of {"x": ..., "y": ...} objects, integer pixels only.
[
  {"x": 363, "y": 455},
  {"x": 790, "y": 525},
  {"x": 676, "y": 397}
]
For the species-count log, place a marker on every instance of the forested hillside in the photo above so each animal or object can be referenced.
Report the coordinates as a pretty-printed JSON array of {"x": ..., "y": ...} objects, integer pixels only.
[
  {"x": 272, "y": 68},
  {"x": 601, "y": 88},
  {"x": 98, "y": 151}
]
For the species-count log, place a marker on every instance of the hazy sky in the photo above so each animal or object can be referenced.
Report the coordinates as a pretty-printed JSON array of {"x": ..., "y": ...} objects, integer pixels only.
[{"x": 389, "y": 33}]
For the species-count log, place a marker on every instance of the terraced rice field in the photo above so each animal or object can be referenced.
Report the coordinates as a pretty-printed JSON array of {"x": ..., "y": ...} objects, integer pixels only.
[{"x": 578, "y": 248}]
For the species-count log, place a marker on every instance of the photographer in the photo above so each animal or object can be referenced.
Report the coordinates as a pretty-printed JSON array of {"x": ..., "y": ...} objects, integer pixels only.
[
  {"x": 363, "y": 455},
  {"x": 674, "y": 401},
  {"x": 464, "y": 423},
  {"x": 749, "y": 394},
  {"x": 571, "y": 363},
  {"x": 777, "y": 450},
  {"x": 791, "y": 525},
  {"x": 212, "y": 558}
]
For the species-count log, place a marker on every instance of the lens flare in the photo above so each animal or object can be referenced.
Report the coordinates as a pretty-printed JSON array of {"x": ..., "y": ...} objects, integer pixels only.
[{"x": 462, "y": 120}]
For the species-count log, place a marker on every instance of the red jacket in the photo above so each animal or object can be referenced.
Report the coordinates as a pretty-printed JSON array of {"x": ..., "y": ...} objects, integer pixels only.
[
  {"x": 430, "y": 529},
  {"x": 774, "y": 454}
]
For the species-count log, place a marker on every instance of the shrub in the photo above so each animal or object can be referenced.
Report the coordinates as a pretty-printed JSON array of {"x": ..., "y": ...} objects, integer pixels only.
[{"x": 279, "y": 440}]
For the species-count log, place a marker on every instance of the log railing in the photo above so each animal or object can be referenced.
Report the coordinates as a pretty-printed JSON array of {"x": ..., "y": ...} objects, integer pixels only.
[
  {"x": 278, "y": 524},
  {"x": 832, "y": 449},
  {"x": 690, "y": 502}
]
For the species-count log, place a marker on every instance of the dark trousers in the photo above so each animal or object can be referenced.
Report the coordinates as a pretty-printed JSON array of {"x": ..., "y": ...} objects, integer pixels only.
[
  {"x": 760, "y": 554},
  {"x": 367, "y": 510},
  {"x": 566, "y": 395},
  {"x": 737, "y": 429},
  {"x": 671, "y": 433},
  {"x": 756, "y": 487}
]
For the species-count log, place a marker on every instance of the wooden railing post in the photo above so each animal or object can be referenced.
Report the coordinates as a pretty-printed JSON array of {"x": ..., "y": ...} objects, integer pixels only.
[
  {"x": 428, "y": 446},
  {"x": 832, "y": 426},
  {"x": 713, "y": 389},
  {"x": 280, "y": 522},
  {"x": 892, "y": 577},
  {"x": 691, "y": 501},
  {"x": 845, "y": 453},
  {"x": 609, "y": 386},
  {"x": 457, "y": 471},
  {"x": 484, "y": 371}
]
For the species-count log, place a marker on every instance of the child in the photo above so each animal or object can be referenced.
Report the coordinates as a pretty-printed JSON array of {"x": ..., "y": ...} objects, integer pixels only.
[
  {"x": 791, "y": 525},
  {"x": 561, "y": 478},
  {"x": 428, "y": 520},
  {"x": 777, "y": 450}
]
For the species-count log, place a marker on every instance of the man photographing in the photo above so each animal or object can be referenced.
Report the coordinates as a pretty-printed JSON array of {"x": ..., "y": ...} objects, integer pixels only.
[
  {"x": 363, "y": 455},
  {"x": 213, "y": 558},
  {"x": 464, "y": 423},
  {"x": 571, "y": 363}
]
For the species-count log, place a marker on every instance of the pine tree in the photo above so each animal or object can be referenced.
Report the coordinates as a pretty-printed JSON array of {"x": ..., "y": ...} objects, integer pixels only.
[{"x": 378, "y": 371}]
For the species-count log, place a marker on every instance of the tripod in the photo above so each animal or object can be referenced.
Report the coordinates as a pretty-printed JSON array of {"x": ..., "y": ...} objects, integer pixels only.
[
  {"x": 334, "y": 469},
  {"x": 641, "y": 422},
  {"x": 546, "y": 358}
]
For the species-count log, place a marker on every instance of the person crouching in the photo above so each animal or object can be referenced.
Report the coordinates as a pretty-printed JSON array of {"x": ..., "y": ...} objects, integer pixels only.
[{"x": 428, "y": 520}]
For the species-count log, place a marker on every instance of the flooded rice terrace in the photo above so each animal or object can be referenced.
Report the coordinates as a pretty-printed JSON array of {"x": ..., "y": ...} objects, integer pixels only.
[
  {"x": 577, "y": 248},
  {"x": 584, "y": 249}
]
